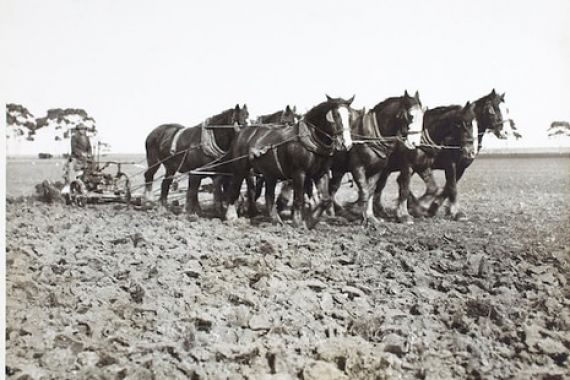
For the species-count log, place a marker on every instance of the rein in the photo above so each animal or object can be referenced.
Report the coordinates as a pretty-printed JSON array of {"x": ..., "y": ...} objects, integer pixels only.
[
  {"x": 427, "y": 141},
  {"x": 367, "y": 139}
]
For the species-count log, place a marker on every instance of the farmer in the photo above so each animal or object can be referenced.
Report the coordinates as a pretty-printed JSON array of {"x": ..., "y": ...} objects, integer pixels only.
[{"x": 81, "y": 158}]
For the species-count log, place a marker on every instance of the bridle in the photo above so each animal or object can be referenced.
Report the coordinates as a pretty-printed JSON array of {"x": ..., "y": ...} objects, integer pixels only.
[{"x": 335, "y": 137}]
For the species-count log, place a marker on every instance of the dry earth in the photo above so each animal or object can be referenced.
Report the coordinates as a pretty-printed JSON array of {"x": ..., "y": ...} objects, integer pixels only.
[{"x": 112, "y": 292}]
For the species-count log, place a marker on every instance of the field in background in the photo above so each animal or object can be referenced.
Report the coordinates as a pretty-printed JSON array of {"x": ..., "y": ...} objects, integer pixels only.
[{"x": 23, "y": 173}]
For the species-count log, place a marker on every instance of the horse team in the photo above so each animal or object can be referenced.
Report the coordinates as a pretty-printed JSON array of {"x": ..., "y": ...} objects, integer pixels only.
[{"x": 318, "y": 148}]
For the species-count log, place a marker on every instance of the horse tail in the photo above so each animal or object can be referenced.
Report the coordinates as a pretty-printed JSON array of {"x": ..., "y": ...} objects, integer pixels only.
[{"x": 154, "y": 143}]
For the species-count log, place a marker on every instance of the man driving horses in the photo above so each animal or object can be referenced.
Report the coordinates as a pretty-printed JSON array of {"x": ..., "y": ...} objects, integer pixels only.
[{"x": 81, "y": 157}]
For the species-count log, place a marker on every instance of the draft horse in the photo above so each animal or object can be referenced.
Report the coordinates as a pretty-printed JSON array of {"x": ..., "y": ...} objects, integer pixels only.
[
  {"x": 491, "y": 116},
  {"x": 287, "y": 116},
  {"x": 393, "y": 125},
  {"x": 449, "y": 137},
  {"x": 182, "y": 149},
  {"x": 298, "y": 152}
]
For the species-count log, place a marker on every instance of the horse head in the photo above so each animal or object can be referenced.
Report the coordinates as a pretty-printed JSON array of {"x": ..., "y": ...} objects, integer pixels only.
[
  {"x": 411, "y": 118},
  {"x": 468, "y": 131},
  {"x": 331, "y": 124},
  {"x": 288, "y": 116},
  {"x": 239, "y": 116},
  {"x": 402, "y": 117},
  {"x": 492, "y": 114},
  {"x": 338, "y": 120}
]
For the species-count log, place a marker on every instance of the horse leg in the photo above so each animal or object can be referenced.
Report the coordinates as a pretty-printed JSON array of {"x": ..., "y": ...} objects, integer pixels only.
[
  {"x": 449, "y": 188},
  {"x": 218, "y": 182},
  {"x": 165, "y": 187},
  {"x": 298, "y": 198},
  {"x": 454, "y": 210},
  {"x": 402, "y": 214},
  {"x": 431, "y": 191},
  {"x": 153, "y": 166},
  {"x": 334, "y": 186},
  {"x": 365, "y": 185},
  {"x": 325, "y": 202},
  {"x": 251, "y": 195},
  {"x": 377, "y": 206},
  {"x": 270, "y": 206},
  {"x": 285, "y": 195},
  {"x": 259, "y": 182},
  {"x": 413, "y": 203},
  {"x": 192, "y": 205},
  {"x": 233, "y": 194},
  {"x": 311, "y": 196}
]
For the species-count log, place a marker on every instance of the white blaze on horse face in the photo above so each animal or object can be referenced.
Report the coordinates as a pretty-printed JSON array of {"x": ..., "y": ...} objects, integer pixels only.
[
  {"x": 506, "y": 127},
  {"x": 475, "y": 132},
  {"x": 346, "y": 136},
  {"x": 416, "y": 126}
]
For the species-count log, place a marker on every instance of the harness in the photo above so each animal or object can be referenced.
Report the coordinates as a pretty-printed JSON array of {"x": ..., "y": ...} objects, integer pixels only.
[
  {"x": 427, "y": 143},
  {"x": 311, "y": 142},
  {"x": 208, "y": 142},
  {"x": 379, "y": 144},
  {"x": 175, "y": 140}
]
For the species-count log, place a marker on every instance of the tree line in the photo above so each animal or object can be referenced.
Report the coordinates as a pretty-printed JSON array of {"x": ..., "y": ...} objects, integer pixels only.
[{"x": 24, "y": 123}]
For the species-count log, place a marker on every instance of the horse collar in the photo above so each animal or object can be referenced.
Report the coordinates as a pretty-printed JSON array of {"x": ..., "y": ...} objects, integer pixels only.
[
  {"x": 175, "y": 140},
  {"x": 311, "y": 142}
]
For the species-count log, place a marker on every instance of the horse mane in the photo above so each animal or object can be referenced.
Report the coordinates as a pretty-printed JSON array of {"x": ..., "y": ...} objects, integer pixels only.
[
  {"x": 271, "y": 115},
  {"x": 316, "y": 110},
  {"x": 386, "y": 103},
  {"x": 483, "y": 99},
  {"x": 441, "y": 110},
  {"x": 220, "y": 118}
]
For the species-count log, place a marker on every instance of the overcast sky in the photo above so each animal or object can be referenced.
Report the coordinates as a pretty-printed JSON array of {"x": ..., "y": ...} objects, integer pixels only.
[{"x": 136, "y": 64}]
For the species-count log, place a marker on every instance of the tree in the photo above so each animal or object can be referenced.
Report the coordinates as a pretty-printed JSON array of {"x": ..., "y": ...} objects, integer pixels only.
[
  {"x": 67, "y": 119},
  {"x": 19, "y": 120},
  {"x": 559, "y": 129}
]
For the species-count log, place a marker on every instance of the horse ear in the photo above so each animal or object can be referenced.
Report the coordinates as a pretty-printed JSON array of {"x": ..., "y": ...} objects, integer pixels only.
[
  {"x": 351, "y": 100},
  {"x": 329, "y": 98},
  {"x": 237, "y": 107},
  {"x": 467, "y": 105},
  {"x": 503, "y": 97},
  {"x": 493, "y": 92},
  {"x": 244, "y": 106},
  {"x": 295, "y": 109},
  {"x": 287, "y": 109},
  {"x": 417, "y": 95},
  {"x": 406, "y": 94}
]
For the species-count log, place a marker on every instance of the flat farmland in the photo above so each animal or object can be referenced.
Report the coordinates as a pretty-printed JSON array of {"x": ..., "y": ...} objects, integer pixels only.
[{"x": 114, "y": 292}]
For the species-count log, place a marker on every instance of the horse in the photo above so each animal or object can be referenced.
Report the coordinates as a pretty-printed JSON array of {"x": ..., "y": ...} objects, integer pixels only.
[
  {"x": 449, "y": 137},
  {"x": 287, "y": 116},
  {"x": 298, "y": 152},
  {"x": 489, "y": 111},
  {"x": 182, "y": 150},
  {"x": 393, "y": 125}
]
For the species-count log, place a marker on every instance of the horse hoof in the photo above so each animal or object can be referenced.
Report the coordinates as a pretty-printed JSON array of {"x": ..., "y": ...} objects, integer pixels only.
[
  {"x": 432, "y": 211},
  {"x": 192, "y": 217},
  {"x": 405, "y": 220},
  {"x": 372, "y": 221},
  {"x": 311, "y": 223},
  {"x": 460, "y": 217}
]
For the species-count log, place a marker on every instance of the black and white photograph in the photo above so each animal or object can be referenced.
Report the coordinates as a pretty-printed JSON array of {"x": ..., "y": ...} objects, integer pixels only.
[{"x": 297, "y": 190}]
